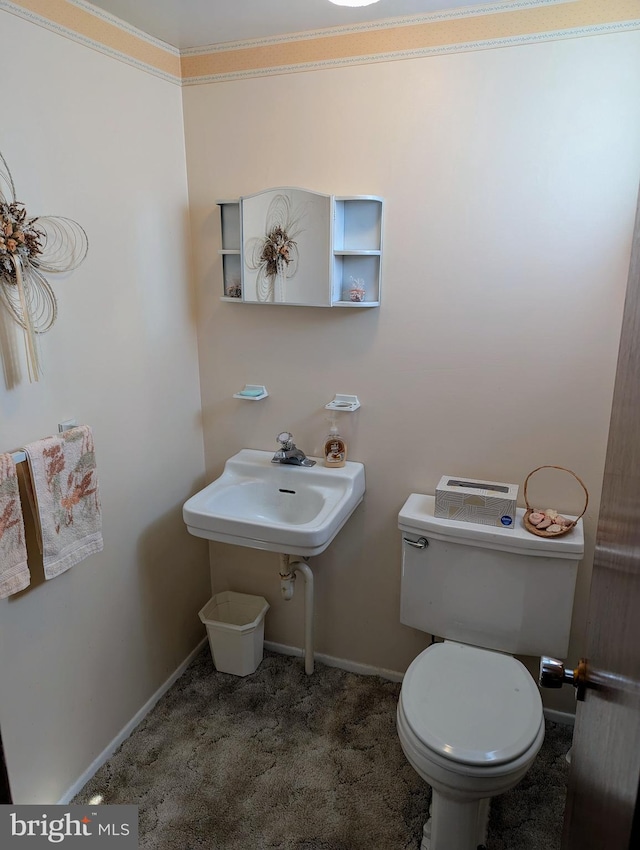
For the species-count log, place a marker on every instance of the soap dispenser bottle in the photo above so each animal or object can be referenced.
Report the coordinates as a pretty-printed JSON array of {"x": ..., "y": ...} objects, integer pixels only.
[{"x": 335, "y": 448}]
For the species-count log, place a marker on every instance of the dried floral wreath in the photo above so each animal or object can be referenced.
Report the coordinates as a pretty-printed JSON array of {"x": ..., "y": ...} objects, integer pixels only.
[
  {"x": 29, "y": 247},
  {"x": 275, "y": 256}
]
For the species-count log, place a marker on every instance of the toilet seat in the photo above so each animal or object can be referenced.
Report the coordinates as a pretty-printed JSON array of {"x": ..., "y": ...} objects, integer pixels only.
[{"x": 471, "y": 706}]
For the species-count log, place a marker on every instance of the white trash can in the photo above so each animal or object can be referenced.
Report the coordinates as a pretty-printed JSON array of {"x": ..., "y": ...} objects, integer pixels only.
[{"x": 235, "y": 626}]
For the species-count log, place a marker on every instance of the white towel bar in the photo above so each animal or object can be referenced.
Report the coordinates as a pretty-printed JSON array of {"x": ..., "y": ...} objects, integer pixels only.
[{"x": 20, "y": 457}]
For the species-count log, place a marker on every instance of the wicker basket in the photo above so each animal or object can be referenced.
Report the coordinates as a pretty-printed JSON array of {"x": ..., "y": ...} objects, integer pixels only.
[{"x": 543, "y": 532}]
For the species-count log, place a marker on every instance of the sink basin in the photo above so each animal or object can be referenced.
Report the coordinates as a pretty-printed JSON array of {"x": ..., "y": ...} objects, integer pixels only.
[{"x": 295, "y": 510}]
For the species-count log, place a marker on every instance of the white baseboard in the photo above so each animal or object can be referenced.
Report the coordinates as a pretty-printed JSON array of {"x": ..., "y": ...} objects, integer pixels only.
[
  {"x": 124, "y": 733},
  {"x": 563, "y": 717},
  {"x": 332, "y": 661},
  {"x": 282, "y": 649}
]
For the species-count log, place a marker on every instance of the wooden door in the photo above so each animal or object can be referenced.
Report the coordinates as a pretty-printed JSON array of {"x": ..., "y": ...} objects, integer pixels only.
[
  {"x": 5, "y": 791},
  {"x": 602, "y": 800}
]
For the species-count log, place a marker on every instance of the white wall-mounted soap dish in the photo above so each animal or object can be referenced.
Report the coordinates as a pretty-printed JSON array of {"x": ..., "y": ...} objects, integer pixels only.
[
  {"x": 347, "y": 403},
  {"x": 252, "y": 392}
]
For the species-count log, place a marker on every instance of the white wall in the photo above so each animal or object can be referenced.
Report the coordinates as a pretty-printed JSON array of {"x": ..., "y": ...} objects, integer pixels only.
[
  {"x": 510, "y": 179},
  {"x": 95, "y": 140}
]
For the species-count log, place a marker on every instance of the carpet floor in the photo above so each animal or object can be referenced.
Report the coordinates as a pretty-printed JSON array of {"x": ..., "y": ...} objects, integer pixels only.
[{"x": 284, "y": 760}]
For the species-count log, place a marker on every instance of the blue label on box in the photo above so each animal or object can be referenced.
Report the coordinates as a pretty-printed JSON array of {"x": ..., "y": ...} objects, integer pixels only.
[{"x": 506, "y": 520}]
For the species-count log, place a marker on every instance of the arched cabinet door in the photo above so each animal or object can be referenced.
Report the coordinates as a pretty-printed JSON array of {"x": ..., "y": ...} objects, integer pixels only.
[{"x": 286, "y": 247}]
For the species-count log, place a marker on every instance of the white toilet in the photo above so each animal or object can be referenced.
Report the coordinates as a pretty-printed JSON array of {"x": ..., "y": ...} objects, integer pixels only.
[{"x": 470, "y": 717}]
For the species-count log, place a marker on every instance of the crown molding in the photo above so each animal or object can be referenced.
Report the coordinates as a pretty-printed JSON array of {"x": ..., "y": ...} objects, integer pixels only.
[
  {"x": 471, "y": 11},
  {"x": 481, "y": 26},
  {"x": 441, "y": 50},
  {"x": 87, "y": 25}
]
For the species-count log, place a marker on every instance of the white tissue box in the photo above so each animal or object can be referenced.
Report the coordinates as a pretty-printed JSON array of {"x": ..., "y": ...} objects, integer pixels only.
[{"x": 470, "y": 500}]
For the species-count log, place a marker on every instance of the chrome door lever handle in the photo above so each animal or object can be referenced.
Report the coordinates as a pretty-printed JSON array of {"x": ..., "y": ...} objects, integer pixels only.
[
  {"x": 554, "y": 675},
  {"x": 420, "y": 543}
]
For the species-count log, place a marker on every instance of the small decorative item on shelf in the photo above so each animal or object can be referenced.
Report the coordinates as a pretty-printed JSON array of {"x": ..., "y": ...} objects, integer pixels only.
[
  {"x": 233, "y": 288},
  {"x": 549, "y": 523},
  {"x": 356, "y": 291}
]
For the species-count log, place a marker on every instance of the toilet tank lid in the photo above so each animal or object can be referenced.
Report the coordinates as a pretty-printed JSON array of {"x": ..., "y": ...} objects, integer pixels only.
[{"x": 417, "y": 516}]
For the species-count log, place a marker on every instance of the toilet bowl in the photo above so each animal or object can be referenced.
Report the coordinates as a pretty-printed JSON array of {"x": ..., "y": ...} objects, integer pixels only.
[
  {"x": 470, "y": 723},
  {"x": 469, "y": 717}
]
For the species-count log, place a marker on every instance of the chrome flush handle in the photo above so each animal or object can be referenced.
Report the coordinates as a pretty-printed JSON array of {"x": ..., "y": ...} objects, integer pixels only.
[{"x": 420, "y": 543}]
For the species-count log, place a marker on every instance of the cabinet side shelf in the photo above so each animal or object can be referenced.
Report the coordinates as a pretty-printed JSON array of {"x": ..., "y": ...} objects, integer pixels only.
[
  {"x": 357, "y": 252},
  {"x": 356, "y": 304}
]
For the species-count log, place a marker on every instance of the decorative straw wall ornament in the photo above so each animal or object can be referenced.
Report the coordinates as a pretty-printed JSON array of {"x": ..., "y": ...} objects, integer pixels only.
[{"x": 29, "y": 247}]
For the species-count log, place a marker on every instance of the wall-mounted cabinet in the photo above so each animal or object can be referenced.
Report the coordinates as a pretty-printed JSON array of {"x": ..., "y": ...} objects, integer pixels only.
[{"x": 297, "y": 247}]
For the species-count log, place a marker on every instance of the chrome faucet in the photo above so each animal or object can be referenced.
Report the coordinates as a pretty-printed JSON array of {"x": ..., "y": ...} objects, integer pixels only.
[{"x": 288, "y": 453}]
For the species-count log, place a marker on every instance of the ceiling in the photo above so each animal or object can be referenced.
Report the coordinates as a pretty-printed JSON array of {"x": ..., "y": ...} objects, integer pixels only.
[{"x": 198, "y": 23}]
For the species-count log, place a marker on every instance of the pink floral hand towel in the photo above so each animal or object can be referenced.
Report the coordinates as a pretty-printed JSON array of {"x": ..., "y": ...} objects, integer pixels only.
[
  {"x": 14, "y": 572},
  {"x": 67, "y": 502}
]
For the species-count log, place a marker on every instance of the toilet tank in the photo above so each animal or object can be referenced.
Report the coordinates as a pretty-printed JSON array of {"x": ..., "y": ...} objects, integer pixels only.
[{"x": 498, "y": 588}]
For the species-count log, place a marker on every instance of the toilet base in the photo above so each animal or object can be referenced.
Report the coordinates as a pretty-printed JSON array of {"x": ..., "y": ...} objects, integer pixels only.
[
  {"x": 453, "y": 824},
  {"x": 460, "y": 792}
]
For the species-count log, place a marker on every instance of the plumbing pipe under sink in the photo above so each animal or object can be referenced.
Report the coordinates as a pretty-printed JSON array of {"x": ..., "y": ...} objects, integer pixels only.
[{"x": 288, "y": 570}]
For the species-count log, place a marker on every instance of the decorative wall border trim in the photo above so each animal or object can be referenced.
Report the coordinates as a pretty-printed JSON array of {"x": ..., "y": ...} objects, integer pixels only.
[
  {"x": 471, "y": 11},
  {"x": 482, "y": 26},
  {"x": 134, "y": 47},
  {"x": 440, "y": 50}
]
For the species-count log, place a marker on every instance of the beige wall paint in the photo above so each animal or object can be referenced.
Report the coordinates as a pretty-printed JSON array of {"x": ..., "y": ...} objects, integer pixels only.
[
  {"x": 510, "y": 179},
  {"x": 96, "y": 140}
]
